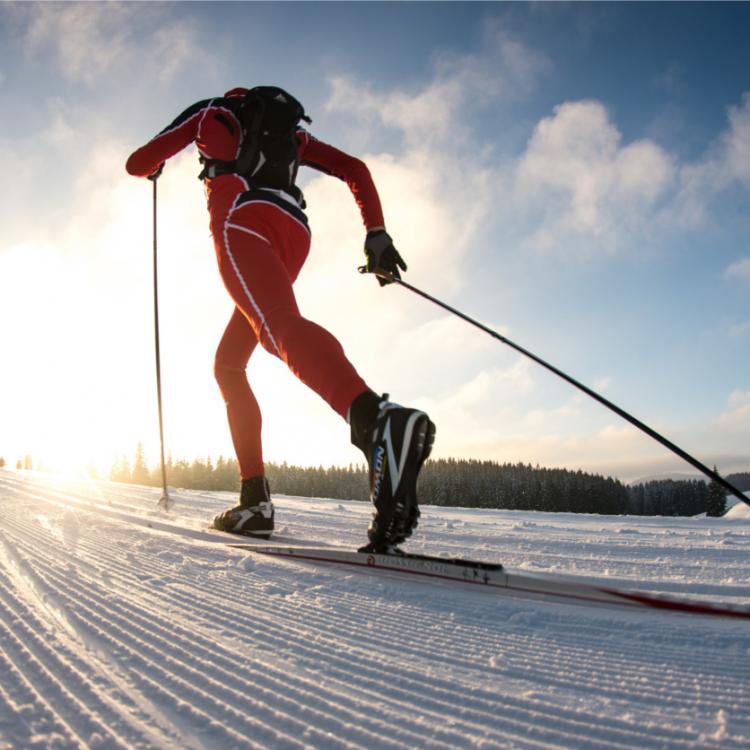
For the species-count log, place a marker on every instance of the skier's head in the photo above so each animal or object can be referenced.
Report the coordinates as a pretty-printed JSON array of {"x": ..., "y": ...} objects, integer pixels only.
[{"x": 239, "y": 91}]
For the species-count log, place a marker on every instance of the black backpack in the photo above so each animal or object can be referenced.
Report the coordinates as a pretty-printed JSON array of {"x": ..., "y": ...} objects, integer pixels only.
[{"x": 269, "y": 117}]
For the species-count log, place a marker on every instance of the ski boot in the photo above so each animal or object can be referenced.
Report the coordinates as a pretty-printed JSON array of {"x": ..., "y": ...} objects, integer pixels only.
[
  {"x": 254, "y": 515},
  {"x": 396, "y": 442}
]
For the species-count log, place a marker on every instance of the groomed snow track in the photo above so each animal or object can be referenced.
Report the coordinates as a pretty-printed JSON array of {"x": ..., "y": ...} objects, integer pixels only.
[{"x": 114, "y": 634}]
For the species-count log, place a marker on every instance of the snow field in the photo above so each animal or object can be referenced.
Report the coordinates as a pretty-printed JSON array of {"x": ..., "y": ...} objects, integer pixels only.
[{"x": 124, "y": 627}]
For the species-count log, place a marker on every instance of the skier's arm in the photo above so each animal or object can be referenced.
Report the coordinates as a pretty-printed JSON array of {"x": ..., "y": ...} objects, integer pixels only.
[
  {"x": 379, "y": 249},
  {"x": 180, "y": 133},
  {"x": 352, "y": 171}
]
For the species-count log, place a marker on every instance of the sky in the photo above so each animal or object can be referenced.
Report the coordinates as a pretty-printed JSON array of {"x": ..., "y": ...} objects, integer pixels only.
[{"x": 574, "y": 176}]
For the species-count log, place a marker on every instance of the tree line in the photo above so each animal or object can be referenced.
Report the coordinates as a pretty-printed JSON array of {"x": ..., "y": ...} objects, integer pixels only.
[{"x": 453, "y": 482}]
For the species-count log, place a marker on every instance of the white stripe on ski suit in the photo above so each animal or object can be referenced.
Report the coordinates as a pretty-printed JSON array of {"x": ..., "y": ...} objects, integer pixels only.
[
  {"x": 240, "y": 228},
  {"x": 258, "y": 311},
  {"x": 397, "y": 469},
  {"x": 284, "y": 196},
  {"x": 203, "y": 117}
]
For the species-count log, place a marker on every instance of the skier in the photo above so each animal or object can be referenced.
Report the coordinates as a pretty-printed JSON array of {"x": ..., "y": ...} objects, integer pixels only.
[{"x": 251, "y": 144}]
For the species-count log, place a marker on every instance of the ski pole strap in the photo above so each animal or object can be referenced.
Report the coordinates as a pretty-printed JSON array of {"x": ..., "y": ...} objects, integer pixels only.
[{"x": 728, "y": 486}]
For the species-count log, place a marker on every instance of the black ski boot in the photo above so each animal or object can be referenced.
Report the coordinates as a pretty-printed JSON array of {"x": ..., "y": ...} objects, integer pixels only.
[
  {"x": 396, "y": 442},
  {"x": 254, "y": 515}
]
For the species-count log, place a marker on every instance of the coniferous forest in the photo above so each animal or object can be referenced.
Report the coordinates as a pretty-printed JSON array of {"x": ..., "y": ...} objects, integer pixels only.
[{"x": 451, "y": 482}]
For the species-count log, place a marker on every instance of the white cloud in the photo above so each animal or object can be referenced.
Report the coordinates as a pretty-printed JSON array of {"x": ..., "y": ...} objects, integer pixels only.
[
  {"x": 577, "y": 176},
  {"x": 737, "y": 414},
  {"x": 584, "y": 188},
  {"x": 478, "y": 409},
  {"x": 735, "y": 157},
  {"x": 437, "y": 184},
  {"x": 739, "y": 270},
  {"x": 462, "y": 84},
  {"x": 724, "y": 165},
  {"x": 436, "y": 195},
  {"x": 564, "y": 441},
  {"x": 87, "y": 38},
  {"x": 92, "y": 41},
  {"x": 60, "y": 131}
]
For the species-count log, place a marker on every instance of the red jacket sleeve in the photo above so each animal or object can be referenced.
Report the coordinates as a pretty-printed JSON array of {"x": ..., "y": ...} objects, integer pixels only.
[
  {"x": 180, "y": 133},
  {"x": 353, "y": 171}
]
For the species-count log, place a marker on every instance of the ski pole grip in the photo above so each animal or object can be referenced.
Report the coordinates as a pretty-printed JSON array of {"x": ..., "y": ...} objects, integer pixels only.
[{"x": 381, "y": 274}]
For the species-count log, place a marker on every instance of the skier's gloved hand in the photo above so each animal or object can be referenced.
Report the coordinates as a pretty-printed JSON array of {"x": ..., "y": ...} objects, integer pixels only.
[
  {"x": 382, "y": 256},
  {"x": 155, "y": 174}
]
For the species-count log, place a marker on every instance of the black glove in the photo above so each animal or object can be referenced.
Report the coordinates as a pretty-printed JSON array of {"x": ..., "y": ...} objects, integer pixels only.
[
  {"x": 382, "y": 256},
  {"x": 155, "y": 174}
]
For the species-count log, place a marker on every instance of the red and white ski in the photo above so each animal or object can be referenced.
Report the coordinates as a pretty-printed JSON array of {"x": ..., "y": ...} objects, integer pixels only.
[{"x": 495, "y": 577}]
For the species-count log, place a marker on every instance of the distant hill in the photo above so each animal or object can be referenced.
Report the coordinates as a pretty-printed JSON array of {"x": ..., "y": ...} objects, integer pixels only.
[
  {"x": 675, "y": 476},
  {"x": 741, "y": 480}
]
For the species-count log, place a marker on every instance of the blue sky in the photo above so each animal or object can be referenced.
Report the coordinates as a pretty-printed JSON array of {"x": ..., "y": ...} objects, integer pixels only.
[{"x": 576, "y": 176}]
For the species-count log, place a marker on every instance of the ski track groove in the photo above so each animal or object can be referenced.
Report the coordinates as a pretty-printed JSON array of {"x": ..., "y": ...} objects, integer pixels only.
[
  {"x": 445, "y": 643},
  {"x": 94, "y": 626},
  {"x": 174, "y": 635},
  {"x": 89, "y": 636},
  {"x": 176, "y": 653},
  {"x": 193, "y": 648},
  {"x": 531, "y": 717},
  {"x": 315, "y": 659},
  {"x": 50, "y": 616},
  {"x": 42, "y": 666},
  {"x": 36, "y": 715}
]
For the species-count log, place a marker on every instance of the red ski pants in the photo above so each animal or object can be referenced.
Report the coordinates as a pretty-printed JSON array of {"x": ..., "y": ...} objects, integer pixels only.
[{"x": 261, "y": 248}]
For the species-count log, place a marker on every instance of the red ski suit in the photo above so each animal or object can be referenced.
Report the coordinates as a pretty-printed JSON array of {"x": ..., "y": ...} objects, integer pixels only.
[{"x": 262, "y": 239}]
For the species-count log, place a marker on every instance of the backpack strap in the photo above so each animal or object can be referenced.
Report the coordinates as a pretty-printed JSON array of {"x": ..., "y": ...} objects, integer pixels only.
[
  {"x": 215, "y": 168},
  {"x": 268, "y": 153},
  {"x": 251, "y": 132}
]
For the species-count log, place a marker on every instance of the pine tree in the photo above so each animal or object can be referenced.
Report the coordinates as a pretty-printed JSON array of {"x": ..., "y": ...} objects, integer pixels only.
[
  {"x": 120, "y": 470},
  {"x": 716, "y": 501},
  {"x": 140, "y": 473}
]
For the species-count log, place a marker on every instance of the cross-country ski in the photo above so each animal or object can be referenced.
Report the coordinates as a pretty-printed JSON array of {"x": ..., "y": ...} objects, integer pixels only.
[{"x": 496, "y": 577}]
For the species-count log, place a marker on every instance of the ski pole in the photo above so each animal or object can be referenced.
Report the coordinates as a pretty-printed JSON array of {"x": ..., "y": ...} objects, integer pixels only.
[
  {"x": 164, "y": 501},
  {"x": 621, "y": 412}
]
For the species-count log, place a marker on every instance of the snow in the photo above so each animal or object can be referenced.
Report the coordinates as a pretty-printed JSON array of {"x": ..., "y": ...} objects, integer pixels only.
[
  {"x": 736, "y": 509},
  {"x": 125, "y": 627}
]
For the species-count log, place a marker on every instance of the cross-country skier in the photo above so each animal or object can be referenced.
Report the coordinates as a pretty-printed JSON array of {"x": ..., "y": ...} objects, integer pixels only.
[{"x": 251, "y": 145}]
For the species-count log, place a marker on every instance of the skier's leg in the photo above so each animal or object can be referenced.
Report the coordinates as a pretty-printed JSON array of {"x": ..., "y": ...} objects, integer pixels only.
[
  {"x": 254, "y": 515},
  {"x": 230, "y": 364},
  {"x": 261, "y": 286},
  {"x": 259, "y": 261}
]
